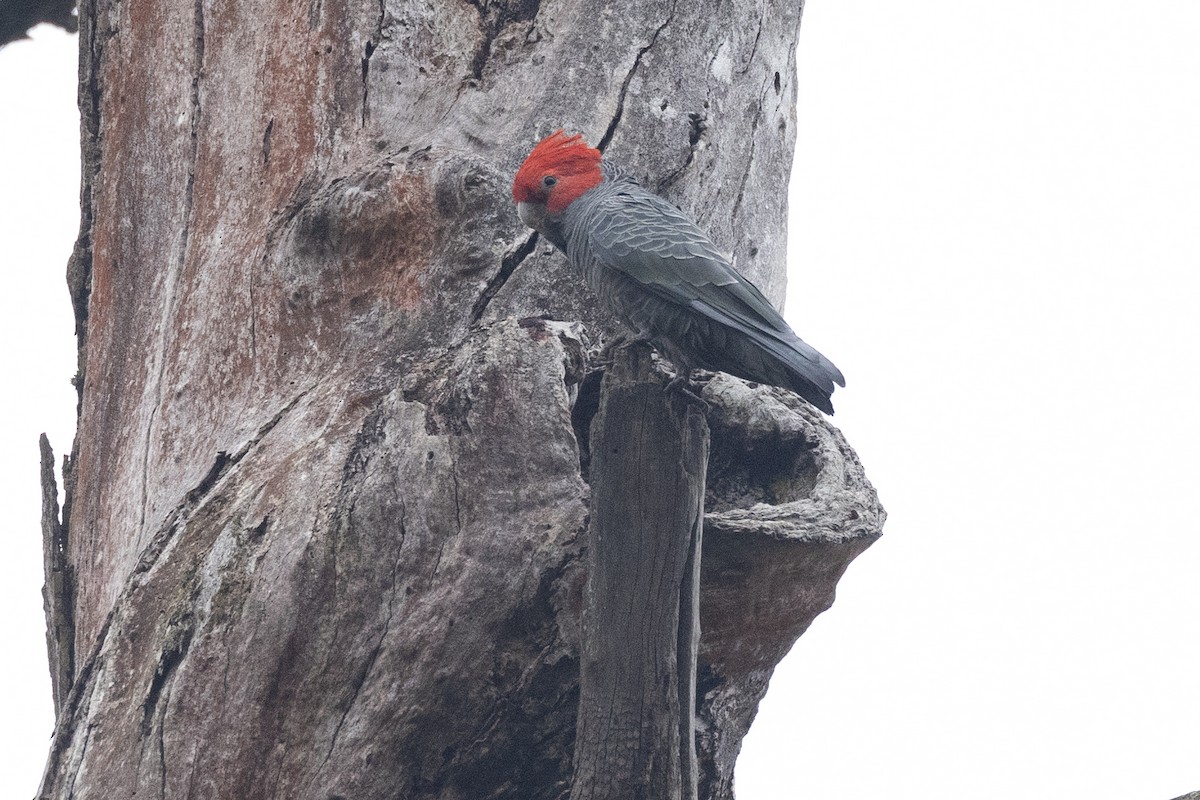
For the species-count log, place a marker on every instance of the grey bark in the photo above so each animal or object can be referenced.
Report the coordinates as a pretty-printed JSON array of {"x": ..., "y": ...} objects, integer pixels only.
[
  {"x": 326, "y": 502},
  {"x": 58, "y": 589},
  {"x": 640, "y": 619}
]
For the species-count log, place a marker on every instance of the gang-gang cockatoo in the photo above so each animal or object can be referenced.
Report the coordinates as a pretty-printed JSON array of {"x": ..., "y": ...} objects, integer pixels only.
[{"x": 660, "y": 274}]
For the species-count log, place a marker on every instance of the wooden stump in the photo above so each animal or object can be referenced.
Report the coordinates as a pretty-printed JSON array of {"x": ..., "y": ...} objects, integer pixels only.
[{"x": 641, "y": 611}]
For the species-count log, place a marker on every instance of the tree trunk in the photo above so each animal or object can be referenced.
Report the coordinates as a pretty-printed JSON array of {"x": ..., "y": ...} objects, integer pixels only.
[{"x": 327, "y": 499}]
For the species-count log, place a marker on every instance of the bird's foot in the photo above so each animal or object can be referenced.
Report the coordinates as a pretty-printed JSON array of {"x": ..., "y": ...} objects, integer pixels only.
[{"x": 605, "y": 358}]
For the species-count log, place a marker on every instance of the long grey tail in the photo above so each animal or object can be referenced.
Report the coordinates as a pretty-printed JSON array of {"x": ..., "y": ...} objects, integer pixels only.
[{"x": 787, "y": 362}]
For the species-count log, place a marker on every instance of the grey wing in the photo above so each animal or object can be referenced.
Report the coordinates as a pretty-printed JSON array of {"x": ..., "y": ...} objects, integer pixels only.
[{"x": 650, "y": 241}]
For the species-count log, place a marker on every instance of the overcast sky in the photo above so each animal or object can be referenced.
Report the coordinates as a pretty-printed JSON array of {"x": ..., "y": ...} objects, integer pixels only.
[
  {"x": 39, "y": 217},
  {"x": 996, "y": 213}
]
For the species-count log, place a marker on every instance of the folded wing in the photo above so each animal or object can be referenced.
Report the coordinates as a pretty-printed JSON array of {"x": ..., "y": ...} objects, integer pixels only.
[{"x": 731, "y": 326}]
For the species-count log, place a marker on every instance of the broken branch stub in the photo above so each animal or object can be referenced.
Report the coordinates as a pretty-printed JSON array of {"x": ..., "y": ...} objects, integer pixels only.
[{"x": 637, "y": 677}]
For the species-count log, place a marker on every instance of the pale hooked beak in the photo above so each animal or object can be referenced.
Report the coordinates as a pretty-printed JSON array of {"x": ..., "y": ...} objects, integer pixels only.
[{"x": 532, "y": 214}]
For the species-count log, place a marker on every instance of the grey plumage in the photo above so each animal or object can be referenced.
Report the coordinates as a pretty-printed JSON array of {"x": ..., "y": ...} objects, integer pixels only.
[{"x": 664, "y": 278}]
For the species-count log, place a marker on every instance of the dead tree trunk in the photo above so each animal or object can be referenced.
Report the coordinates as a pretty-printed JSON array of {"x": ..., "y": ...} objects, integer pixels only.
[{"x": 327, "y": 499}]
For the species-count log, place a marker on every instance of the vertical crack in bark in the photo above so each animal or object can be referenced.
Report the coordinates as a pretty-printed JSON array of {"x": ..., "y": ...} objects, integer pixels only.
[
  {"x": 754, "y": 47},
  {"x": 170, "y": 285},
  {"x": 508, "y": 265},
  {"x": 637, "y": 60},
  {"x": 368, "y": 51},
  {"x": 266, "y": 142}
]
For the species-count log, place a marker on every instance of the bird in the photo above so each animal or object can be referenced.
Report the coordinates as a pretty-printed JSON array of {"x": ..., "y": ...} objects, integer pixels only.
[{"x": 658, "y": 273}]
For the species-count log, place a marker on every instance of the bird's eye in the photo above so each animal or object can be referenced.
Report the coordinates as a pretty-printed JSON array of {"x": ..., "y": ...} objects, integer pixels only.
[{"x": 549, "y": 181}]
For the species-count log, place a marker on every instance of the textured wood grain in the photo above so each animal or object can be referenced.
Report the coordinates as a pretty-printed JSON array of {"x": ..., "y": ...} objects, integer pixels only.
[
  {"x": 637, "y": 683},
  {"x": 327, "y": 496}
]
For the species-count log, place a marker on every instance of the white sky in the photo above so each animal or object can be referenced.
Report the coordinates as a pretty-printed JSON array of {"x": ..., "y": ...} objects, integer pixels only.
[
  {"x": 39, "y": 218},
  {"x": 995, "y": 219}
]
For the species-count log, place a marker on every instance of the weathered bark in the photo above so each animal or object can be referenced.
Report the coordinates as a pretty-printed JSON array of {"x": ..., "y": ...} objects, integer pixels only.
[
  {"x": 638, "y": 674},
  {"x": 788, "y": 508},
  {"x": 325, "y": 506},
  {"x": 57, "y": 591}
]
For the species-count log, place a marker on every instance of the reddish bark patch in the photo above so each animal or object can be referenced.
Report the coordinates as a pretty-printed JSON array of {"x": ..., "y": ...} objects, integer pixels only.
[{"x": 394, "y": 242}]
